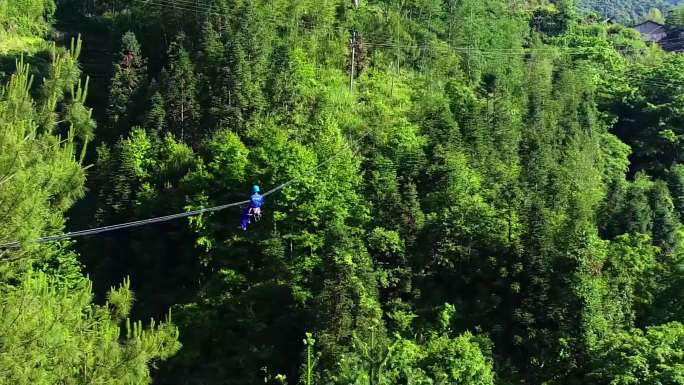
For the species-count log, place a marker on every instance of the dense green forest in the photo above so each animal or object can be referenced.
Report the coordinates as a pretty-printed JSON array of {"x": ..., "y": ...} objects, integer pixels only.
[
  {"x": 475, "y": 193},
  {"x": 627, "y": 11}
]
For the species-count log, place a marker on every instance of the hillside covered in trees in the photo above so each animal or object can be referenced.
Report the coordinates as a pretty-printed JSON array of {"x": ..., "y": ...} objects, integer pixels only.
[
  {"x": 468, "y": 192},
  {"x": 627, "y": 11}
]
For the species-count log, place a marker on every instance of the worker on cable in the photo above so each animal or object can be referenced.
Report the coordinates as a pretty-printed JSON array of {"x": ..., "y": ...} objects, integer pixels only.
[{"x": 253, "y": 210}]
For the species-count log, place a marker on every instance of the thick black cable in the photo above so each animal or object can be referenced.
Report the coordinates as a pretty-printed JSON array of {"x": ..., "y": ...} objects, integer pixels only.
[{"x": 103, "y": 229}]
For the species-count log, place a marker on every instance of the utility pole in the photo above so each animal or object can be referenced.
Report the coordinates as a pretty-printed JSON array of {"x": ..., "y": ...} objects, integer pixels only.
[{"x": 352, "y": 45}]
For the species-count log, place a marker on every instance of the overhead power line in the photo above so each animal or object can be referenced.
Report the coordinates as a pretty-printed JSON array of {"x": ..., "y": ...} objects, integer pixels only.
[{"x": 201, "y": 6}]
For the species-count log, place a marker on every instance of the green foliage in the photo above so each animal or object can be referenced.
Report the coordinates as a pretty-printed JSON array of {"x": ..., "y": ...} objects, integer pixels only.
[
  {"x": 127, "y": 84},
  {"x": 495, "y": 195},
  {"x": 309, "y": 341},
  {"x": 664, "y": 218},
  {"x": 179, "y": 88},
  {"x": 51, "y": 331},
  {"x": 41, "y": 178},
  {"x": 439, "y": 359},
  {"x": 655, "y": 15},
  {"x": 637, "y": 356},
  {"x": 649, "y": 114},
  {"x": 627, "y": 11},
  {"x": 25, "y": 17},
  {"x": 53, "y": 334},
  {"x": 676, "y": 186},
  {"x": 138, "y": 171},
  {"x": 675, "y": 17}
]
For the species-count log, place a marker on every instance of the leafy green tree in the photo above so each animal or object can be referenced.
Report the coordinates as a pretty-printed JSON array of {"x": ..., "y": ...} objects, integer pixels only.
[
  {"x": 655, "y": 15},
  {"x": 26, "y": 18},
  {"x": 650, "y": 114},
  {"x": 463, "y": 359},
  {"x": 554, "y": 20},
  {"x": 638, "y": 356},
  {"x": 632, "y": 260}
]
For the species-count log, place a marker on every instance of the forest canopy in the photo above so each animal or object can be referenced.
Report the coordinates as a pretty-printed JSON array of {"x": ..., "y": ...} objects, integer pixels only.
[
  {"x": 466, "y": 192},
  {"x": 629, "y": 12}
]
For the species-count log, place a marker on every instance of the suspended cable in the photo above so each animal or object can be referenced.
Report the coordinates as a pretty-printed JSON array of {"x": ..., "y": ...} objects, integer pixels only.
[
  {"x": 104, "y": 229},
  {"x": 201, "y": 6}
]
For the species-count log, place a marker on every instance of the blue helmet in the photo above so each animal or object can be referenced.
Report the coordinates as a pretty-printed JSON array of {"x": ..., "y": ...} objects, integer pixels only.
[{"x": 255, "y": 189}]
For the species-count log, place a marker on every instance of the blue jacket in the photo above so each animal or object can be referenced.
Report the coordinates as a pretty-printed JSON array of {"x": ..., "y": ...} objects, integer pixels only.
[{"x": 256, "y": 201}]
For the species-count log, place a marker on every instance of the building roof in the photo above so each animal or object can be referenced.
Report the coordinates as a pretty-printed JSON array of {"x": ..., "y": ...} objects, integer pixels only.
[
  {"x": 649, "y": 27},
  {"x": 651, "y": 31},
  {"x": 649, "y": 22}
]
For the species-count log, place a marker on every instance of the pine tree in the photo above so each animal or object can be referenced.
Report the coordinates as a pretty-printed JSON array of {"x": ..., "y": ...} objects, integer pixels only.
[
  {"x": 155, "y": 121},
  {"x": 636, "y": 216},
  {"x": 664, "y": 217},
  {"x": 347, "y": 307},
  {"x": 609, "y": 212},
  {"x": 130, "y": 74},
  {"x": 237, "y": 97},
  {"x": 43, "y": 317},
  {"x": 212, "y": 53},
  {"x": 211, "y": 64},
  {"x": 281, "y": 85},
  {"x": 536, "y": 317},
  {"x": 51, "y": 331},
  {"x": 676, "y": 186},
  {"x": 179, "y": 88}
]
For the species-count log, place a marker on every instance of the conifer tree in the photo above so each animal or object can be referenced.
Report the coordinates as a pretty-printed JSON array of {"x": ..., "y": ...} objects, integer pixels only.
[
  {"x": 51, "y": 330},
  {"x": 179, "y": 88},
  {"x": 236, "y": 95},
  {"x": 636, "y": 216},
  {"x": 664, "y": 217},
  {"x": 676, "y": 186},
  {"x": 348, "y": 305},
  {"x": 155, "y": 121},
  {"x": 52, "y": 334},
  {"x": 128, "y": 82}
]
